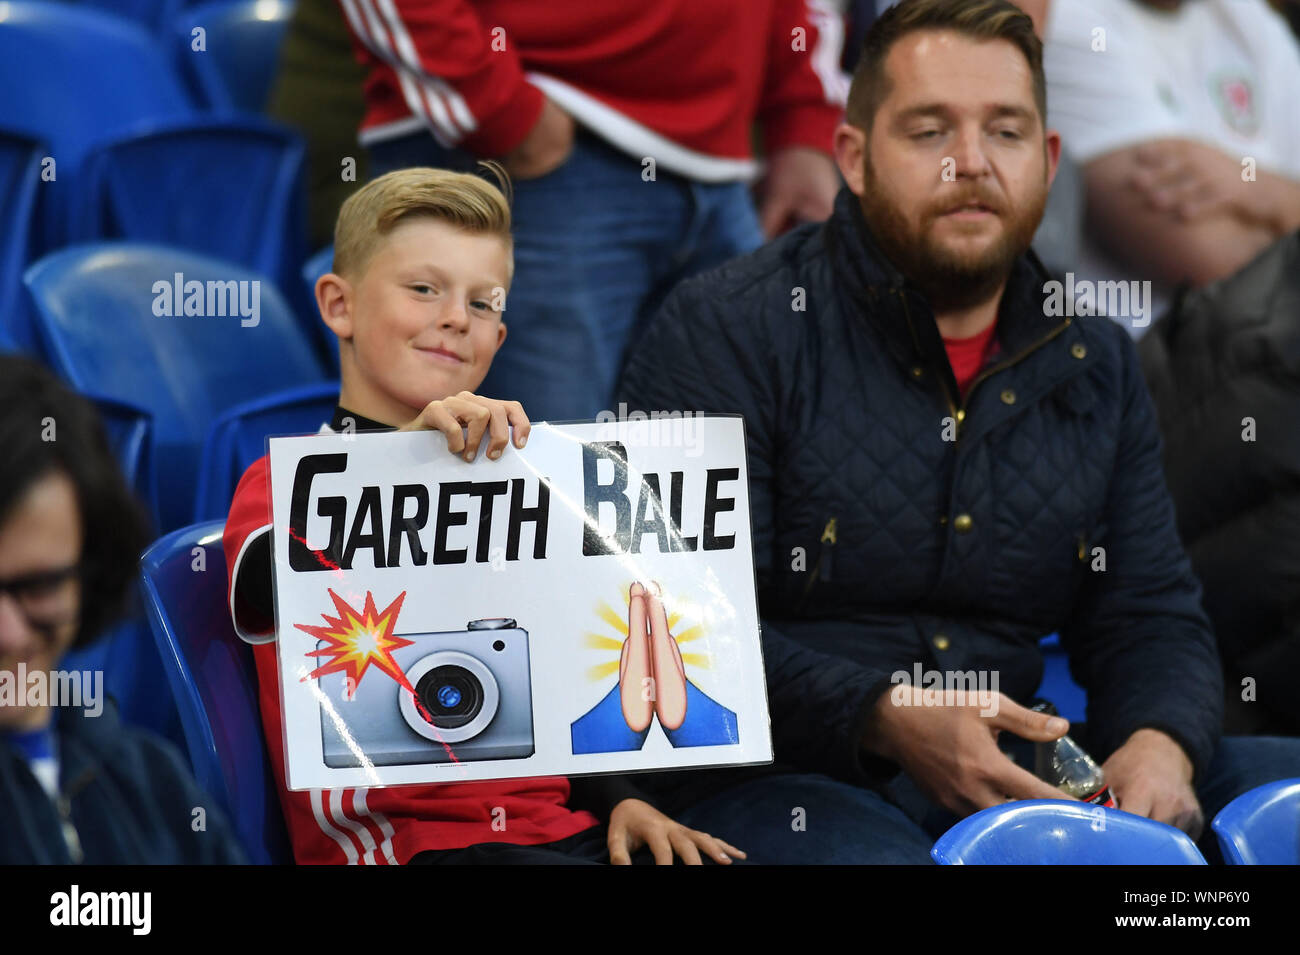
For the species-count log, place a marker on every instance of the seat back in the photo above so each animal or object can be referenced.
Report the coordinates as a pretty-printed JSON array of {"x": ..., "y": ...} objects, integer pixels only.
[
  {"x": 1060, "y": 832},
  {"x": 1261, "y": 827},
  {"x": 130, "y": 433},
  {"x": 238, "y": 438},
  {"x": 173, "y": 184},
  {"x": 241, "y": 54},
  {"x": 106, "y": 314},
  {"x": 20, "y": 171},
  {"x": 1058, "y": 685},
  {"x": 211, "y": 672},
  {"x": 315, "y": 267},
  {"x": 71, "y": 76}
]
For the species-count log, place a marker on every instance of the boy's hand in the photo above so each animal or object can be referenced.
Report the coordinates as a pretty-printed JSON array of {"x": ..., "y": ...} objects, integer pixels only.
[
  {"x": 635, "y": 823},
  {"x": 464, "y": 418}
]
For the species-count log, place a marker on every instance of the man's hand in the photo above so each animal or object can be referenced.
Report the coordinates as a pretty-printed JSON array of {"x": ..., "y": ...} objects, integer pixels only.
[
  {"x": 1151, "y": 776},
  {"x": 951, "y": 751},
  {"x": 634, "y": 824},
  {"x": 800, "y": 186},
  {"x": 1191, "y": 181},
  {"x": 545, "y": 147},
  {"x": 464, "y": 418}
]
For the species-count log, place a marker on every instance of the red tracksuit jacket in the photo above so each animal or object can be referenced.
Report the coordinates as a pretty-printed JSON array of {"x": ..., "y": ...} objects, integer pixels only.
[{"x": 682, "y": 81}]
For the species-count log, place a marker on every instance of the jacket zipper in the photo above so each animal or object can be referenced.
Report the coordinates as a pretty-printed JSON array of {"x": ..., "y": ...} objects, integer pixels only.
[
  {"x": 958, "y": 409},
  {"x": 63, "y": 802},
  {"x": 830, "y": 534}
]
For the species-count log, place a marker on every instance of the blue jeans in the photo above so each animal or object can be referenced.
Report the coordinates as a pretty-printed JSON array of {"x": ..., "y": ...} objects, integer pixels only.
[
  {"x": 597, "y": 249},
  {"x": 842, "y": 823}
]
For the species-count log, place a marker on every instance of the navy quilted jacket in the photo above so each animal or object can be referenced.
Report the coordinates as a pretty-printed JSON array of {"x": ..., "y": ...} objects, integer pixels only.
[{"x": 955, "y": 554}]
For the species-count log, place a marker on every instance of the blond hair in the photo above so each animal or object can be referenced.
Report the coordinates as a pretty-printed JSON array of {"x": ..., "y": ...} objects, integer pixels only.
[{"x": 464, "y": 200}]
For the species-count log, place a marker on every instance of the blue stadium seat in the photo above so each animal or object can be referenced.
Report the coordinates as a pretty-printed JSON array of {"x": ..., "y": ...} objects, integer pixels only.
[
  {"x": 210, "y": 671},
  {"x": 150, "y": 14},
  {"x": 232, "y": 189},
  {"x": 241, "y": 50},
  {"x": 95, "y": 312},
  {"x": 153, "y": 15},
  {"x": 71, "y": 76},
  {"x": 1058, "y": 686},
  {"x": 20, "y": 171},
  {"x": 238, "y": 438},
  {"x": 130, "y": 433},
  {"x": 1261, "y": 827},
  {"x": 315, "y": 267},
  {"x": 1059, "y": 832},
  {"x": 312, "y": 269}
]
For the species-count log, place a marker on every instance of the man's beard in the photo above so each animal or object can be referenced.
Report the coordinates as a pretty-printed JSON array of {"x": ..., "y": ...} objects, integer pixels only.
[{"x": 950, "y": 280}]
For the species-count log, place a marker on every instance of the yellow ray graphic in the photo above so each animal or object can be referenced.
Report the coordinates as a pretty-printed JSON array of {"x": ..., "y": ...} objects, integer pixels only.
[
  {"x": 691, "y": 633},
  {"x": 608, "y": 614},
  {"x": 602, "y": 670},
  {"x": 673, "y": 618},
  {"x": 597, "y": 642},
  {"x": 701, "y": 660}
]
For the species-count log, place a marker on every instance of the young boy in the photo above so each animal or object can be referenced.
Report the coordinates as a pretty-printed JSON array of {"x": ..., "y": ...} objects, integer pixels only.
[{"x": 422, "y": 260}]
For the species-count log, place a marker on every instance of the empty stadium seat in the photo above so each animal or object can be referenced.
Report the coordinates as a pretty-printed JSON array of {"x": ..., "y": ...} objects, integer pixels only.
[
  {"x": 130, "y": 433},
  {"x": 150, "y": 14},
  {"x": 210, "y": 671},
  {"x": 1261, "y": 827},
  {"x": 241, "y": 50},
  {"x": 20, "y": 171},
  {"x": 315, "y": 267},
  {"x": 232, "y": 189},
  {"x": 1057, "y": 832},
  {"x": 238, "y": 438},
  {"x": 71, "y": 76},
  {"x": 95, "y": 306}
]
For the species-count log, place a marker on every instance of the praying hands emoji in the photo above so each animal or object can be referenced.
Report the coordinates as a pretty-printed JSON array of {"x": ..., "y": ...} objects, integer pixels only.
[{"x": 651, "y": 677}]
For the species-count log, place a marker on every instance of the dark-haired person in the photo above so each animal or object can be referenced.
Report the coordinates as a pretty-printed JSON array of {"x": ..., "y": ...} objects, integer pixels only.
[
  {"x": 75, "y": 784},
  {"x": 943, "y": 468}
]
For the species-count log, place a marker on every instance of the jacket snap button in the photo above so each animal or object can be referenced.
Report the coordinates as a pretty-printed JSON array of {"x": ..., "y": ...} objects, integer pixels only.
[
  {"x": 1008, "y": 397},
  {"x": 962, "y": 523},
  {"x": 941, "y": 642},
  {"x": 917, "y": 371},
  {"x": 1078, "y": 350}
]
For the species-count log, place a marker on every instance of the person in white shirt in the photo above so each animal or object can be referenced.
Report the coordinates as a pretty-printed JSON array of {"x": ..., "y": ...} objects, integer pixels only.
[{"x": 1186, "y": 118}]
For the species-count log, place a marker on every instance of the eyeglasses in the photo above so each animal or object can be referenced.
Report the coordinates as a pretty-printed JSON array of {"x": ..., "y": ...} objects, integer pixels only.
[{"x": 46, "y": 599}]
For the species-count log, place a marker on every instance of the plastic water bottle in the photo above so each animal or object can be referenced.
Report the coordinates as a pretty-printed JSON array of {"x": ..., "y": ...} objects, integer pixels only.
[{"x": 1066, "y": 765}]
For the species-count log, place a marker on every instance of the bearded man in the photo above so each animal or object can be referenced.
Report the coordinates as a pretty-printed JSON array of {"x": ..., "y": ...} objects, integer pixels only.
[{"x": 943, "y": 470}]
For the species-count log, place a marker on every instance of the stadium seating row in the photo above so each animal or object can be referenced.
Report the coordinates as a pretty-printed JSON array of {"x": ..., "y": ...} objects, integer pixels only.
[{"x": 134, "y": 144}]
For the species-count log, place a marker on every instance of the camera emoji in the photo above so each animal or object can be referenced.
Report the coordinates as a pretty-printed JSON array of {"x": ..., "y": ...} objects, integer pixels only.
[{"x": 473, "y": 701}]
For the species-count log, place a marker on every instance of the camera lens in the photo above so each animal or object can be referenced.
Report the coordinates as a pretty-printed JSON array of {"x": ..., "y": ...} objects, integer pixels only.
[{"x": 450, "y": 695}]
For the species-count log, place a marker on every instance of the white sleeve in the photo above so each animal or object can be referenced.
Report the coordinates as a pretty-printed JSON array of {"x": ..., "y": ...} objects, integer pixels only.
[
  {"x": 250, "y": 628},
  {"x": 1282, "y": 83},
  {"x": 1102, "y": 90}
]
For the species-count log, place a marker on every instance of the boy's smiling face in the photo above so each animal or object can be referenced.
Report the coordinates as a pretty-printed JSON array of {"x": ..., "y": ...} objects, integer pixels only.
[{"x": 421, "y": 322}]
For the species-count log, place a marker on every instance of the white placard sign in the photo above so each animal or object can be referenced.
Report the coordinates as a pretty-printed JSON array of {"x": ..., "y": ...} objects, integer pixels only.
[{"x": 585, "y": 605}]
